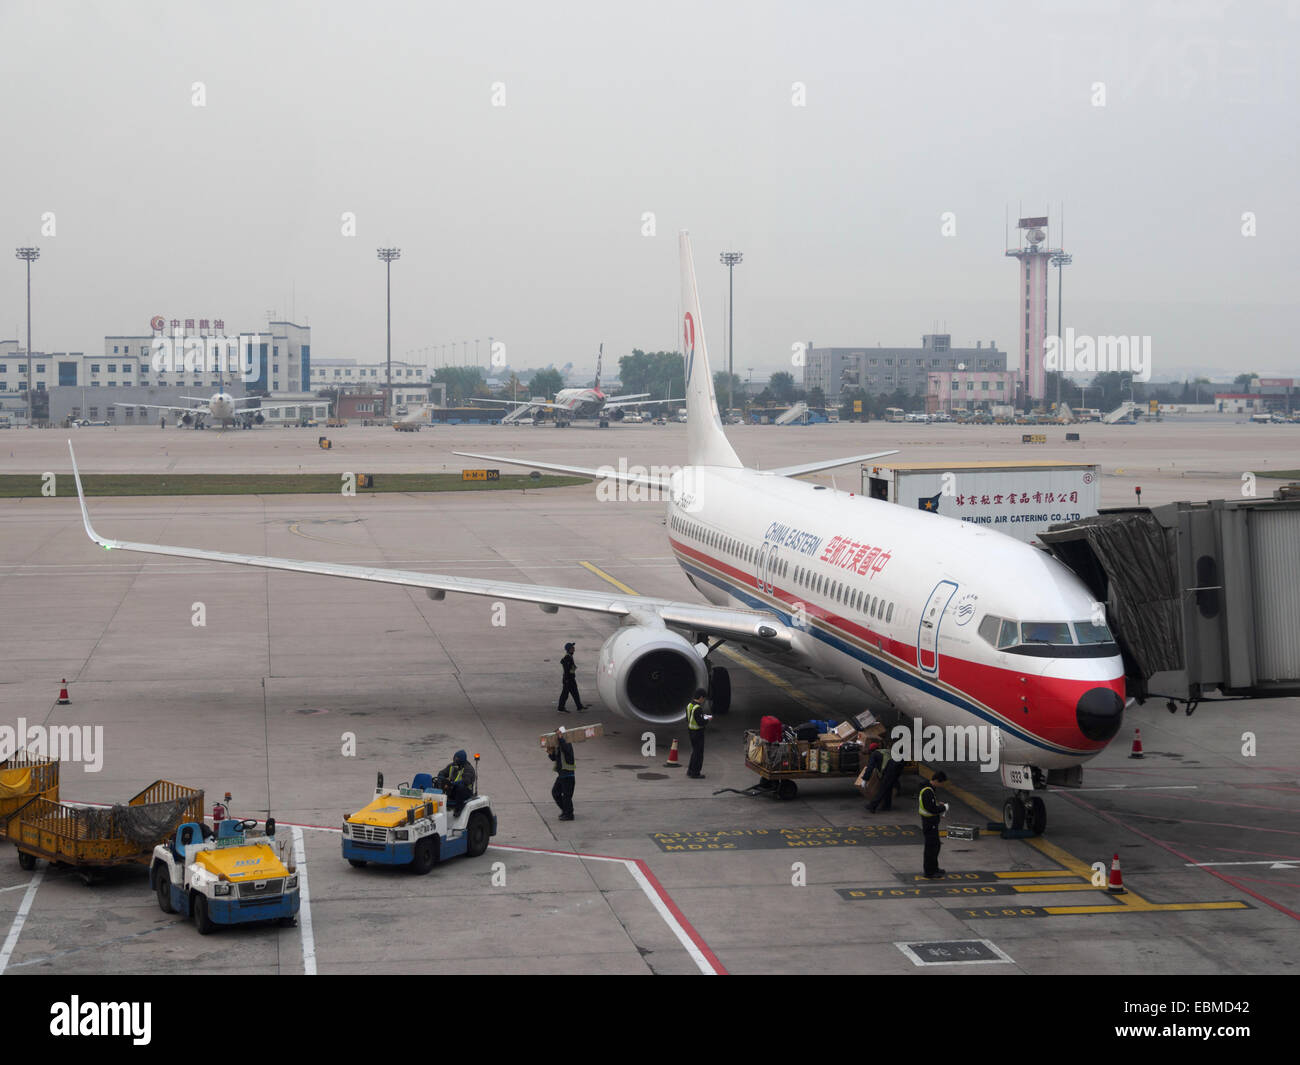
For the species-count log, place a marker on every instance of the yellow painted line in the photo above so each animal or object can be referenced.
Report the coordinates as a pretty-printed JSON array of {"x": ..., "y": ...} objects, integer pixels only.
[
  {"x": 1056, "y": 887},
  {"x": 606, "y": 577},
  {"x": 1149, "y": 907},
  {"x": 742, "y": 660},
  {"x": 1026, "y": 875}
]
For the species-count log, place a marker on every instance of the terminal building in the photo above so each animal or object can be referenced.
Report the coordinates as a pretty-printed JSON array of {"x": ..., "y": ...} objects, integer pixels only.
[
  {"x": 884, "y": 370},
  {"x": 411, "y": 386}
]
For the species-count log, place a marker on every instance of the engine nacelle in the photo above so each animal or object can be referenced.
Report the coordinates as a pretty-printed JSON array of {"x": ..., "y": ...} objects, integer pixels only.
[
  {"x": 649, "y": 674},
  {"x": 258, "y": 419},
  {"x": 187, "y": 419}
]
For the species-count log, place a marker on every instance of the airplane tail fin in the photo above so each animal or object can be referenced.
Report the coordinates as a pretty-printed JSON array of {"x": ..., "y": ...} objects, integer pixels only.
[{"x": 706, "y": 443}]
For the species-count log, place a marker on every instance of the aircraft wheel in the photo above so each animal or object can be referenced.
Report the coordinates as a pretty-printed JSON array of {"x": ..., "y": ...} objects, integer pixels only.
[
  {"x": 356, "y": 863},
  {"x": 1013, "y": 814},
  {"x": 26, "y": 861},
  {"x": 1037, "y": 815}
]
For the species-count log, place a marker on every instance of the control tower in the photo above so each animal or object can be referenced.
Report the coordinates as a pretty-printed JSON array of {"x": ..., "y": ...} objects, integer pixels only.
[{"x": 1034, "y": 255}]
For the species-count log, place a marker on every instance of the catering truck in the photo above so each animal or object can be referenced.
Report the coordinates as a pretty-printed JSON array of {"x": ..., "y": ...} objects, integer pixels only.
[{"x": 1020, "y": 499}]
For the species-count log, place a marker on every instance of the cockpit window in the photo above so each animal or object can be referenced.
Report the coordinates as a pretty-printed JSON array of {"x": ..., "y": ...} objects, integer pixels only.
[
  {"x": 1048, "y": 632},
  {"x": 1088, "y": 632},
  {"x": 1079, "y": 639},
  {"x": 1010, "y": 634}
]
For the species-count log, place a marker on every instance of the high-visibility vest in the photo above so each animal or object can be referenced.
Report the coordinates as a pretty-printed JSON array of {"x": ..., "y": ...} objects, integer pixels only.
[
  {"x": 457, "y": 771},
  {"x": 692, "y": 721},
  {"x": 564, "y": 763},
  {"x": 920, "y": 805}
]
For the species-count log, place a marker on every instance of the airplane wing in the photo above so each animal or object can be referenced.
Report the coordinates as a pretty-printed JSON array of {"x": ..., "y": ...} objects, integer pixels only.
[
  {"x": 634, "y": 401},
  {"x": 825, "y": 464},
  {"x": 695, "y": 618},
  {"x": 205, "y": 409},
  {"x": 275, "y": 406},
  {"x": 656, "y": 482},
  {"x": 522, "y": 403},
  {"x": 607, "y": 473}
]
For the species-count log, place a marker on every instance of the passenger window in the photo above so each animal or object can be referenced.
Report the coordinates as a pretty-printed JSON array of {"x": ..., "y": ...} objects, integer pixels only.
[{"x": 890, "y": 616}]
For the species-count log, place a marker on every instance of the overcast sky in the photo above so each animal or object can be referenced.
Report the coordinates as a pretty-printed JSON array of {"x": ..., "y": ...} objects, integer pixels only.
[{"x": 524, "y": 221}]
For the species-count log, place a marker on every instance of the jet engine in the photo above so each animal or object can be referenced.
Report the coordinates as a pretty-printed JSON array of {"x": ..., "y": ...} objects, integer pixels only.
[
  {"x": 258, "y": 419},
  {"x": 649, "y": 674},
  {"x": 187, "y": 419}
]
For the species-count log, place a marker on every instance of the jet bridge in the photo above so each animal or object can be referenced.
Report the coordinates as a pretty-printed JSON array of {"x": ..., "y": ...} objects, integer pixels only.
[{"x": 1202, "y": 596}]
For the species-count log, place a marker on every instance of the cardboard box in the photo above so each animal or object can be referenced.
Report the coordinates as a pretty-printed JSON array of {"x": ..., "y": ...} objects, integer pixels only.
[
  {"x": 846, "y": 729},
  {"x": 576, "y": 734}
]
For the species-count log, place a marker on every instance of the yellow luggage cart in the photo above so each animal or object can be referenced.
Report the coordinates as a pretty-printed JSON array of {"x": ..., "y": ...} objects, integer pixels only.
[
  {"x": 23, "y": 779},
  {"x": 91, "y": 839}
]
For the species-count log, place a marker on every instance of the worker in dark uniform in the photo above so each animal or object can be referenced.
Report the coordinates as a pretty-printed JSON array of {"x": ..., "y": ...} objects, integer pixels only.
[
  {"x": 562, "y": 792},
  {"x": 570, "y": 680},
  {"x": 695, "y": 722},
  {"x": 875, "y": 761},
  {"x": 457, "y": 780},
  {"x": 931, "y": 809},
  {"x": 890, "y": 770}
]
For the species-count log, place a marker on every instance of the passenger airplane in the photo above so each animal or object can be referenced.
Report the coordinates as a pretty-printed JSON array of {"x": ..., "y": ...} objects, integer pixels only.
[
  {"x": 571, "y": 403},
  {"x": 942, "y": 620},
  {"x": 222, "y": 408}
]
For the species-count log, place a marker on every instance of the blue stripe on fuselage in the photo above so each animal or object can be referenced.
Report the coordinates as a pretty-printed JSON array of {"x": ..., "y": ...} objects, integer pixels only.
[{"x": 857, "y": 653}]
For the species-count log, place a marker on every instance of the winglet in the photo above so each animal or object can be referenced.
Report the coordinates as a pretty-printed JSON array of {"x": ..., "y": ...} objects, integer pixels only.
[{"x": 81, "y": 497}]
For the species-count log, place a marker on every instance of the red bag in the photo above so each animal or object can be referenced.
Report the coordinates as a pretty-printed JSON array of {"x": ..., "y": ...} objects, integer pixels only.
[{"x": 770, "y": 729}]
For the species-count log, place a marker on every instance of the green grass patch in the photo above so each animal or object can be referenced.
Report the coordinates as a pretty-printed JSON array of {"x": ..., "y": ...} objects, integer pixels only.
[
  {"x": 1289, "y": 474},
  {"x": 28, "y": 485}
]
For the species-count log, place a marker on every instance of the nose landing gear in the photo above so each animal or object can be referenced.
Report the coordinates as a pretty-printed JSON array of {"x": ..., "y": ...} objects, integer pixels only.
[{"x": 1020, "y": 812}]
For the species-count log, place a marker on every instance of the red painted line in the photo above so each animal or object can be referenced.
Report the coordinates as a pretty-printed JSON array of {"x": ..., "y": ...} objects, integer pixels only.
[
  {"x": 659, "y": 889},
  {"x": 687, "y": 927},
  {"x": 1261, "y": 854},
  {"x": 1212, "y": 824},
  {"x": 1187, "y": 858}
]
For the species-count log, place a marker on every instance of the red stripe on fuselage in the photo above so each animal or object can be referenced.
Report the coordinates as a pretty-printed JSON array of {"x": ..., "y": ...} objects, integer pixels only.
[{"x": 1044, "y": 706}]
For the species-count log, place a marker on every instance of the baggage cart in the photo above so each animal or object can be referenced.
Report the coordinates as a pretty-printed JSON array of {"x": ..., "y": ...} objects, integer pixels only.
[{"x": 91, "y": 839}]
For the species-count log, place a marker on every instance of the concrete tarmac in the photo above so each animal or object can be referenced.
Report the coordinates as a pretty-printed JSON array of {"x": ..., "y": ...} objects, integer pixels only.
[{"x": 297, "y": 689}]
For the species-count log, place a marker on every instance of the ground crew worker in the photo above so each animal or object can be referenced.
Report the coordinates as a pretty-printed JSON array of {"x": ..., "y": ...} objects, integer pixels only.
[
  {"x": 891, "y": 769},
  {"x": 570, "y": 680},
  {"x": 457, "y": 780},
  {"x": 875, "y": 760},
  {"x": 695, "y": 721},
  {"x": 931, "y": 809},
  {"x": 562, "y": 792}
]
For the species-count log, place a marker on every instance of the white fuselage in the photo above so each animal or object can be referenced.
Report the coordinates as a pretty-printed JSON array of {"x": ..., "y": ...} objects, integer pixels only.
[{"x": 884, "y": 595}]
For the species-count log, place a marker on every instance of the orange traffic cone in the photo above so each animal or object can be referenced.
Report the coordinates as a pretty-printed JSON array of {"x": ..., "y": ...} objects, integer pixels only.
[
  {"x": 672, "y": 762},
  {"x": 63, "y": 693},
  {"x": 1116, "y": 886},
  {"x": 1136, "y": 752}
]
